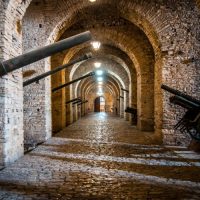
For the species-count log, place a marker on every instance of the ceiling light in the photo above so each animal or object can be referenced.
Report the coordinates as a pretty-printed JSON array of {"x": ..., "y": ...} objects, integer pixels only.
[
  {"x": 96, "y": 45},
  {"x": 100, "y": 90},
  {"x": 99, "y": 72},
  {"x": 99, "y": 93},
  {"x": 97, "y": 64},
  {"x": 100, "y": 83},
  {"x": 99, "y": 79},
  {"x": 92, "y": 0}
]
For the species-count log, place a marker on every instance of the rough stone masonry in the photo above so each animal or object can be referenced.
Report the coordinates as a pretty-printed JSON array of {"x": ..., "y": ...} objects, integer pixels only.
[{"x": 146, "y": 43}]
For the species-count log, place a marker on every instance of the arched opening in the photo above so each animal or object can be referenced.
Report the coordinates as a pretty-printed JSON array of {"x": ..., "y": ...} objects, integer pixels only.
[
  {"x": 151, "y": 55},
  {"x": 97, "y": 105},
  {"x": 100, "y": 105}
]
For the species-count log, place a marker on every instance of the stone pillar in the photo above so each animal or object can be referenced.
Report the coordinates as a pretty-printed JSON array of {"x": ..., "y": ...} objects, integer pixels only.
[
  {"x": 126, "y": 104},
  {"x": 11, "y": 90}
]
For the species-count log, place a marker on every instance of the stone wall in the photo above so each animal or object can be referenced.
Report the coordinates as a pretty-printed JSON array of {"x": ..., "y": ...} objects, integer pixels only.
[
  {"x": 11, "y": 92},
  {"x": 37, "y": 98}
]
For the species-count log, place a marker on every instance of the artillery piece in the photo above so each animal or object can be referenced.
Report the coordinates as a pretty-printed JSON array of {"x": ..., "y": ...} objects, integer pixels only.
[
  {"x": 190, "y": 122},
  {"x": 133, "y": 112}
]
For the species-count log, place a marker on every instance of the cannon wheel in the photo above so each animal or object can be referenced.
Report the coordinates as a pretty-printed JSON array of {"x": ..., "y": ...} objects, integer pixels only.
[{"x": 194, "y": 131}]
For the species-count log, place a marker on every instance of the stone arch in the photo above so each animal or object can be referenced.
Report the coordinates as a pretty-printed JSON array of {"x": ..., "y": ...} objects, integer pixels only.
[
  {"x": 87, "y": 85},
  {"x": 111, "y": 87},
  {"x": 58, "y": 29},
  {"x": 110, "y": 73},
  {"x": 166, "y": 48}
]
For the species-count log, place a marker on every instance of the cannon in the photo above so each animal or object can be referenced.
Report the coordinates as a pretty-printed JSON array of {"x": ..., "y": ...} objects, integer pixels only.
[
  {"x": 179, "y": 93},
  {"x": 38, "y": 54},
  {"x": 125, "y": 90},
  {"x": 71, "y": 82},
  {"x": 133, "y": 112},
  {"x": 57, "y": 69},
  {"x": 83, "y": 102},
  {"x": 190, "y": 122},
  {"x": 73, "y": 100},
  {"x": 77, "y": 101}
]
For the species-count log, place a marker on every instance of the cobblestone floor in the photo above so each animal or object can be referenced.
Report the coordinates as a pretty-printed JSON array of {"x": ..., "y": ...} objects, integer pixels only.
[{"x": 101, "y": 157}]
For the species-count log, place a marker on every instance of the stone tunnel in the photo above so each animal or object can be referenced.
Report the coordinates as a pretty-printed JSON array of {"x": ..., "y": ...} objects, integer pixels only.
[{"x": 115, "y": 134}]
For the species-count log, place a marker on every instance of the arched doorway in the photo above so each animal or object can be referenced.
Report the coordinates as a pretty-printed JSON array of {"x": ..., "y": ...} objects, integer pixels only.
[{"x": 99, "y": 104}]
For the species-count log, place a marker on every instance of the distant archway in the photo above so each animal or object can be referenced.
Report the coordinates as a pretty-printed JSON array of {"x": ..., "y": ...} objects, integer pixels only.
[{"x": 99, "y": 104}]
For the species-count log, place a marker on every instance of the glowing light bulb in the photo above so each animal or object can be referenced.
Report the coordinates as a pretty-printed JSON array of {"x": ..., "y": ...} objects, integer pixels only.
[
  {"x": 92, "y": 0},
  {"x": 100, "y": 90},
  {"x": 99, "y": 93},
  {"x": 99, "y": 72},
  {"x": 100, "y": 79},
  {"x": 97, "y": 64},
  {"x": 96, "y": 45}
]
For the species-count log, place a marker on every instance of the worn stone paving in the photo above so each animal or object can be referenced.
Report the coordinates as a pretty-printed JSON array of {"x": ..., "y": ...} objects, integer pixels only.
[{"x": 102, "y": 157}]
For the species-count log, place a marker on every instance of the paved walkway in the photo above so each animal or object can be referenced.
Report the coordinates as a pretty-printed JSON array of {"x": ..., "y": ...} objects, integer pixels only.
[{"x": 97, "y": 158}]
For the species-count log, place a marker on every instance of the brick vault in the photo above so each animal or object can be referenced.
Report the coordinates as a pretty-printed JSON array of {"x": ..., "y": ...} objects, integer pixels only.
[{"x": 143, "y": 45}]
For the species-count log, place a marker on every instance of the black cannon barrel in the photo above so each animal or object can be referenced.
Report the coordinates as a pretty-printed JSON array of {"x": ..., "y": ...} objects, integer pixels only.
[
  {"x": 178, "y": 100},
  {"x": 43, "y": 52},
  {"x": 178, "y": 93},
  {"x": 125, "y": 90},
  {"x": 75, "y": 80},
  {"x": 76, "y": 102},
  {"x": 82, "y": 103},
  {"x": 37, "y": 78},
  {"x": 73, "y": 100},
  {"x": 121, "y": 97},
  {"x": 131, "y": 110}
]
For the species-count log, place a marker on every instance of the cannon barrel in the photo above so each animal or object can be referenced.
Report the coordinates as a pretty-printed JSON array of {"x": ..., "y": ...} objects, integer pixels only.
[
  {"x": 75, "y": 80},
  {"x": 43, "y": 52},
  {"x": 183, "y": 102},
  {"x": 73, "y": 100},
  {"x": 82, "y": 103},
  {"x": 125, "y": 90},
  {"x": 37, "y": 78},
  {"x": 178, "y": 93},
  {"x": 131, "y": 110},
  {"x": 76, "y": 102}
]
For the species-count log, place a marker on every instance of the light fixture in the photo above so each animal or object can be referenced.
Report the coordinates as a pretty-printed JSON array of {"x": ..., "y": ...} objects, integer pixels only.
[
  {"x": 100, "y": 90},
  {"x": 100, "y": 93},
  {"x": 99, "y": 79},
  {"x": 99, "y": 72},
  {"x": 96, "y": 45},
  {"x": 97, "y": 64},
  {"x": 100, "y": 83},
  {"x": 92, "y": 0}
]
